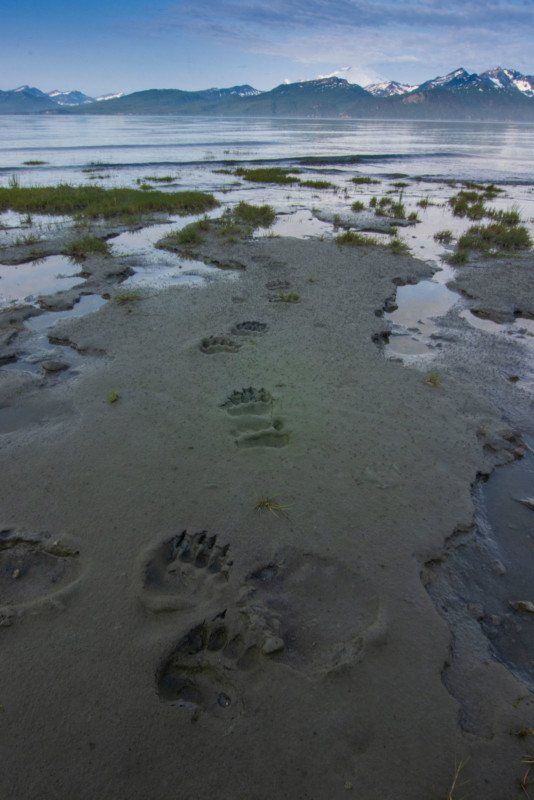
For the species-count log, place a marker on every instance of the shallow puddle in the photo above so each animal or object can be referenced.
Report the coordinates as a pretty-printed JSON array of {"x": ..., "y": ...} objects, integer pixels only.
[
  {"x": 300, "y": 224},
  {"x": 42, "y": 326},
  {"x": 25, "y": 282}
]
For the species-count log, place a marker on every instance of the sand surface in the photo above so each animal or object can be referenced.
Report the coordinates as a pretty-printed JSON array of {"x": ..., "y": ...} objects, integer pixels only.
[{"x": 161, "y": 637}]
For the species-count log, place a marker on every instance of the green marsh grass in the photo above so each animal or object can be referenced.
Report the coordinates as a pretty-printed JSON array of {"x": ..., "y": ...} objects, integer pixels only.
[
  {"x": 495, "y": 237},
  {"x": 95, "y": 201},
  {"x": 88, "y": 246},
  {"x": 354, "y": 239},
  {"x": 255, "y": 216},
  {"x": 267, "y": 175},
  {"x": 317, "y": 184}
]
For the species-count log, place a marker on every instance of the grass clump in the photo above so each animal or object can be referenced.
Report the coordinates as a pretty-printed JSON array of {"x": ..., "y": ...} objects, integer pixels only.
[
  {"x": 287, "y": 297},
  {"x": 456, "y": 784},
  {"x": 461, "y": 256},
  {"x": 470, "y": 203},
  {"x": 354, "y": 239},
  {"x": 358, "y": 205},
  {"x": 254, "y": 216},
  {"x": 126, "y": 298},
  {"x": 113, "y": 397},
  {"x": 398, "y": 210},
  {"x": 495, "y": 237},
  {"x": 272, "y": 505},
  {"x": 189, "y": 235},
  {"x": 161, "y": 179},
  {"x": 34, "y": 162},
  {"x": 510, "y": 216},
  {"x": 434, "y": 379},
  {"x": 267, "y": 175},
  {"x": 317, "y": 184},
  {"x": 444, "y": 237},
  {"x": 359, "y": 179},
  {"x": 88, "y": 246},
  {"x": 398, "y": 247},
  {"x": 95, "y": 201}
]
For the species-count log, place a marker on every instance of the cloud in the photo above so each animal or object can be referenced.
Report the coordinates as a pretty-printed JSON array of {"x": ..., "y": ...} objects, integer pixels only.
[
  {"x": 279, "y": 16},
  {"x": 371, "y": 36},
  {"x": 343, "y": 71}
]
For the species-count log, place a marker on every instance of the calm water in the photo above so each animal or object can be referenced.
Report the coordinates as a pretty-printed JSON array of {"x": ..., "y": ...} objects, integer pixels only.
[{"x": 441, "y": 150}]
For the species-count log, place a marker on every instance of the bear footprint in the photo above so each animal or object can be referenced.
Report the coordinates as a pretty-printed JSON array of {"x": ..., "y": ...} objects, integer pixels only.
[
  {"x": 176, "y": 571},
  {"x": 255, "y": 425},
  {"x": 218, "y": 344},
  {"x": 199, "y": 674},
  {"x": 34, "y": 571}
]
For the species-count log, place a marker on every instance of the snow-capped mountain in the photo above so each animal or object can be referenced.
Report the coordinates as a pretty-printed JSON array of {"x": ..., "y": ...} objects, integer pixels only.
[
  {"x": 388, "y": 88},
  {"x": 497, "y": 94},
  {"x": 460, "y": 78},
  {"x": 31, "y": 91},
  {"x": 72, "y": 98},
  {"x": 109, "y": 96},
  {"x": 233, "y": 91},
  {"x": 510, "y": 79}
]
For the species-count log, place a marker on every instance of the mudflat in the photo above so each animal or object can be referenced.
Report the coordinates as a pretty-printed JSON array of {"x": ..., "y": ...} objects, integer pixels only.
[{"x": 216, "y": 542}]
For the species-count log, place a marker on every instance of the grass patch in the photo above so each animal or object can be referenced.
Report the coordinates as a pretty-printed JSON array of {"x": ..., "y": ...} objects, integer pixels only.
[
  {"x": 233, "y": 225},
  {"x": 189, "y": 235},
  {"x": 358, "y": 206},
  {"x": 88, "y": 246},
  {"x": 267, "y": 175},
  {"x": 254, "y": 216},
  {"x": 489, "y": 189},
  {"x": 363, "y": 179},
  {"x": 354, "y": 239},
  {"x": 272, "y": 505},
  {"x": 34, "y": 162},
  {"x": 162, "y": 179},
  {"x": 400, "y": 184},
  {"x": 287, "y": 297},
  {"x": 317, "y": 184},
  {"x": 398, "y": 247},
  {"x": 510, "y": 216},
  {"x": 95, "y": 201},
  {"x": 471, "y": 203},
  {"x": 459, "y": 257},
  {"x": 496, "y": 236},
  {"x": 444, "y": 237},
  {"x": 113, "y": 397},
  {"x": 398, "y": 210},
  {"x": 434, "y": 379}
]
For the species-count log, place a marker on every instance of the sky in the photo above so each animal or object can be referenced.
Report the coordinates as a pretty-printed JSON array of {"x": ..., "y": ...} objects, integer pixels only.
[{"x": 108, "y": 46}]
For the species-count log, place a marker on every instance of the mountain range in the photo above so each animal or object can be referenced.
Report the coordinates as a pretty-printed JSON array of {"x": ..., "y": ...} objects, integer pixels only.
[{"x": 497, "y": 94}]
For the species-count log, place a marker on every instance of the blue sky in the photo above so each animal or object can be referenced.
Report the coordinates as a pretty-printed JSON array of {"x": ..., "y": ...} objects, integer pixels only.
[{"x": 119, "y": 45}]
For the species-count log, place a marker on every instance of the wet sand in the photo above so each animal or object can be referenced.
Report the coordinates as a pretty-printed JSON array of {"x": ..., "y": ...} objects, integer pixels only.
[{"x": 161, "y": 636}]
